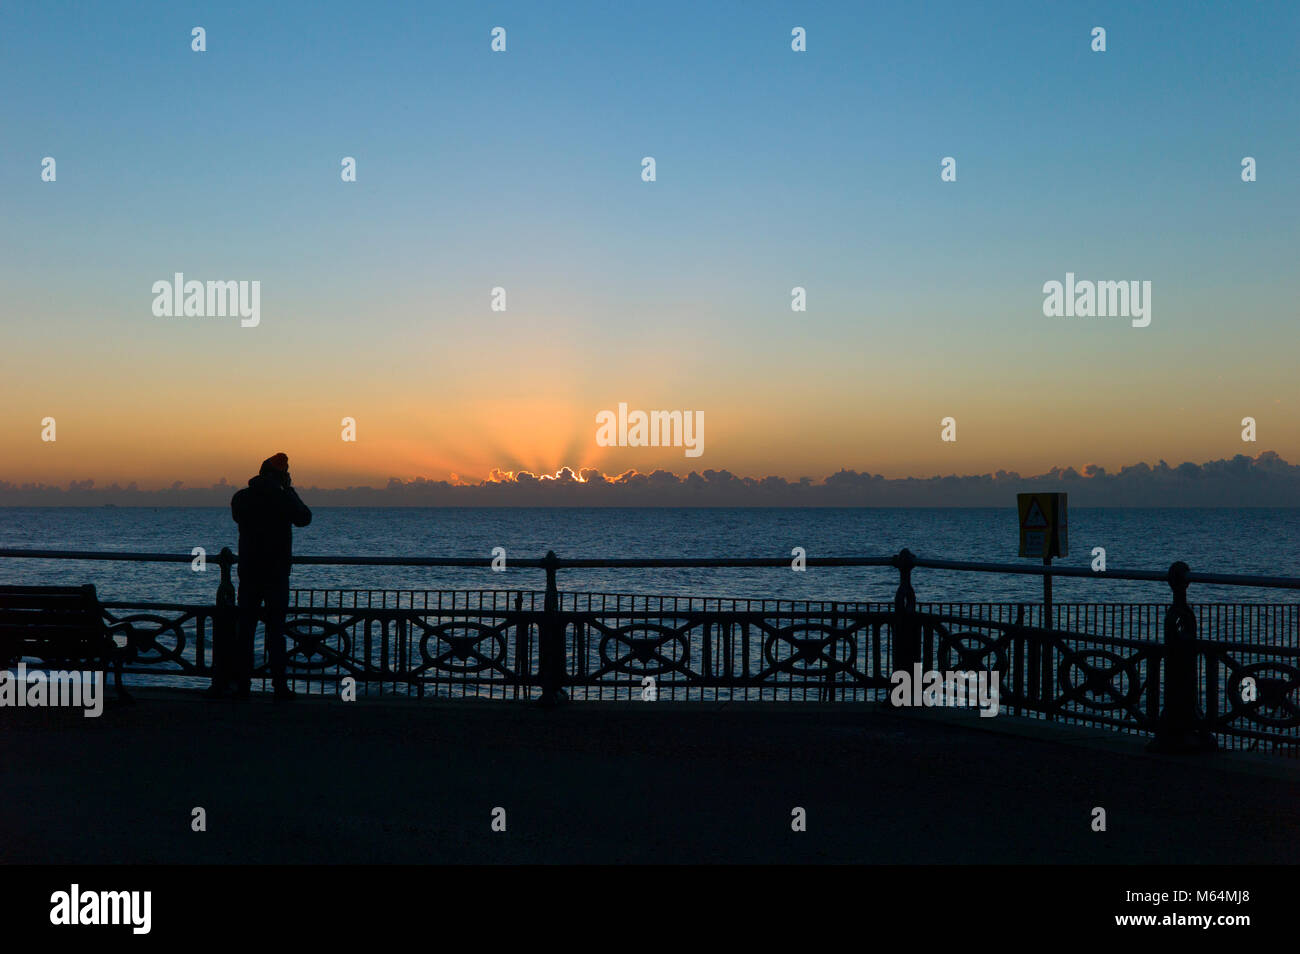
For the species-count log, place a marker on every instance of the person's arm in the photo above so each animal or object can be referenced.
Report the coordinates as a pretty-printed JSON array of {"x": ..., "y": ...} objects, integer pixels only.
[{"x": 299, "y": 515}]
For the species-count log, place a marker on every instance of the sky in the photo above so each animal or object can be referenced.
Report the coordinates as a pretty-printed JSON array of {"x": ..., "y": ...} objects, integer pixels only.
[{"x": 523, "y": 170}]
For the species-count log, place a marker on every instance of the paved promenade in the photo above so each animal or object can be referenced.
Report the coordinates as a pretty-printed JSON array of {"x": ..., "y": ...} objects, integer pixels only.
[{"x": 406, "y": 781}]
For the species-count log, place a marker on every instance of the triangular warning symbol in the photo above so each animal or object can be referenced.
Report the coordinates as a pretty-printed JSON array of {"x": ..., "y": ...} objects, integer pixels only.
[{"x": 1034, "y": 519}]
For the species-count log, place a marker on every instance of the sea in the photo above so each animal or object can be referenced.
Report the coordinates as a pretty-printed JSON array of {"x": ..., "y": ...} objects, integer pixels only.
[{"x": 1220, "y": 540}]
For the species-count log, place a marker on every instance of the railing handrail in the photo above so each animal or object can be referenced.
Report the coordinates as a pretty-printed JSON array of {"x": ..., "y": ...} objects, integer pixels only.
[{"x": 554, "y": 563}]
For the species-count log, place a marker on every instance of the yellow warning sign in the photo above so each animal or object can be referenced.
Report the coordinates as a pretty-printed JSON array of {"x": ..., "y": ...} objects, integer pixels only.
[
  {"x": 1044, "y": 522},
  {"x": 1034, "y": 519}
]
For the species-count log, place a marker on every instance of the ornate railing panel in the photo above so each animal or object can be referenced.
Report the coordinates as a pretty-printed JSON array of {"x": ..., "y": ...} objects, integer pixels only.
[
  {"x": 1102, "y": 676},
  {"x": 1251, "y": 692},
  {"x": 727, "y": 654},
  {"x": 165, "y": 639},
  {"x": 1058, "y": 674}
]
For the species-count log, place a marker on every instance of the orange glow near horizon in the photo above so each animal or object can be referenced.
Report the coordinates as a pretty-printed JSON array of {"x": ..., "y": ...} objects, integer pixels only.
[{"x": 206, "y": 405}]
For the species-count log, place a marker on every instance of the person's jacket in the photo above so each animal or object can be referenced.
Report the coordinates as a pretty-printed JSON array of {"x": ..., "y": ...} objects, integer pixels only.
[{"x": 266, "y": 512}]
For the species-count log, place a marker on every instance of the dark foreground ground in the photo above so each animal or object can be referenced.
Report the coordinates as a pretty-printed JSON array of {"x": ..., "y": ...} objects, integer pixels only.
[{"x": 327, "y": 781}]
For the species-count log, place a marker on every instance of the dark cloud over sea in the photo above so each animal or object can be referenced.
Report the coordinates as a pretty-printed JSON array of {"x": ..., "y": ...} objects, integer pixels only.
[{"x": 1241, "y": 481}]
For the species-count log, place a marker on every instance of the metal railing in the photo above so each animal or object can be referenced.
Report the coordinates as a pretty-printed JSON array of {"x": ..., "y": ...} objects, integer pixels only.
[{"x": 1145, "y": 668}]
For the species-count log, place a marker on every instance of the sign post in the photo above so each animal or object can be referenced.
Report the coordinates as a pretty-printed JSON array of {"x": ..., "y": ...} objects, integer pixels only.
[{"x": 1044, "y": 525}]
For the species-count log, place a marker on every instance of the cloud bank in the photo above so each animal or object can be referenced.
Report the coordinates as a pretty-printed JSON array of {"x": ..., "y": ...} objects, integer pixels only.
[{"x": 1263, "y": 481}]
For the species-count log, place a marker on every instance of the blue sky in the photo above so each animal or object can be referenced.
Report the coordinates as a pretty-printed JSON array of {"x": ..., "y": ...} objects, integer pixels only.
[{"x": 774, "y": 169}]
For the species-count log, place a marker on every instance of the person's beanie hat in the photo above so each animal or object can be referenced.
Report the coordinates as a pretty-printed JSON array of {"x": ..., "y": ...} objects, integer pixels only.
[{"x": 278, "y": 462}]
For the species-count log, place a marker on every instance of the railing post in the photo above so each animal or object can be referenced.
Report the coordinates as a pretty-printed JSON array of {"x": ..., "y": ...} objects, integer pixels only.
[
  {"x": 1182, "y": 726},
  {"x": 907, "y": 631},
  {"x": 223, "y": 621},
  {"x": 550, "y": 655}
]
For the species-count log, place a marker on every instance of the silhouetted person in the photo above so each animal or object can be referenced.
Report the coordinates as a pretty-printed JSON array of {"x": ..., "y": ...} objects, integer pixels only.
[{"x": 266, "y": 510}]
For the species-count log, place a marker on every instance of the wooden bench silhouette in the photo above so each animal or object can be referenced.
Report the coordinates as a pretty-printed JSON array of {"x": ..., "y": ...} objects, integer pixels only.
[{"x": 63, "y": 628}]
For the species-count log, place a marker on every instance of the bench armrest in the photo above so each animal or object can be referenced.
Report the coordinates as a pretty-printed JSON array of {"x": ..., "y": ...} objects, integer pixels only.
[{"x": 127, "y": 652}]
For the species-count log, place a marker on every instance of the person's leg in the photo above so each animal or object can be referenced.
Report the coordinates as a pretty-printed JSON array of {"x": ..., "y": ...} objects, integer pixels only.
[
  {"x": 241, "y": 659},
  {"x": 277, "y": 608}
]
